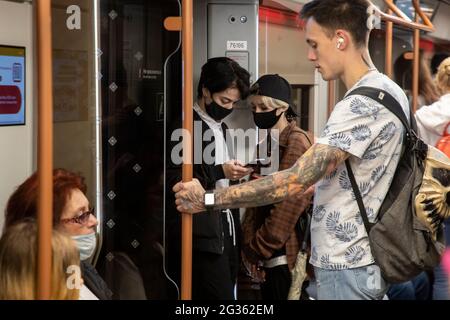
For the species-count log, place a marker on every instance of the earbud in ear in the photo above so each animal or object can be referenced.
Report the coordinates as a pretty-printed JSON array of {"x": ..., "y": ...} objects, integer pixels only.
[{"x": 340, "y": 42}]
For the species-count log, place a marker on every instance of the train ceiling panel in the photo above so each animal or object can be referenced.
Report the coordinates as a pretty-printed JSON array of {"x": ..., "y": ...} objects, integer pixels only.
[{"x": 440, "y": 20}]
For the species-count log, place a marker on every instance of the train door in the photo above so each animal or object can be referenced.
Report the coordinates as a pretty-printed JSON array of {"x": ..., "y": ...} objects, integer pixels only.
[
  {"x": 140, "y": 60},
  {"x": 141, "y": 101},
  {"x": 117, "y": 96}
]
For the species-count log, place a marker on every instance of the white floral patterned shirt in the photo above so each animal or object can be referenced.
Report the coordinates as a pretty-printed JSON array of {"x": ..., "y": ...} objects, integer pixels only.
[{"x": 373, "y": 136}]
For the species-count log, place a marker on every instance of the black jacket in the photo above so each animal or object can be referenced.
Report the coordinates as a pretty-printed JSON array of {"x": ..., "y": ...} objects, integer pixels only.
[
  {"x": 207, "y": 227},
  {"x": 94, "y": 282}
]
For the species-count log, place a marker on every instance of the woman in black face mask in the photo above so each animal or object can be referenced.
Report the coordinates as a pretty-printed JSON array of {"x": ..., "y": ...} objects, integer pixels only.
[
  {"x": 271, "y": 240},
  {"x": 269, "y": 113},
  {"x": 270, "y": 101}
]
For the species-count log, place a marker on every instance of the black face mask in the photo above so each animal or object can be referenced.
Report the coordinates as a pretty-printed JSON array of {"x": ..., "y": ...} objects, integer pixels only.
[
  {"x": 266, "y": 120},
  {"x": 216, "y": 111}
]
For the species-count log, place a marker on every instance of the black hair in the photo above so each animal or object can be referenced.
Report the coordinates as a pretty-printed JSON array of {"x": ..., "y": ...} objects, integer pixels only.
[
  {"x": 219, "y": 74},
  {"x": 350, "y": 15}
]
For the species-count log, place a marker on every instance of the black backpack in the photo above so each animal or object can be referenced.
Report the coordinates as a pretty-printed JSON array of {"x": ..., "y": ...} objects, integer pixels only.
[{"x": 401, "y": 245}]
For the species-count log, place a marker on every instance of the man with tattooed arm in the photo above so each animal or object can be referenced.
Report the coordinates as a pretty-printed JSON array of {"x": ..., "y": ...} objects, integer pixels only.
[{"x": 359, "y": 129}]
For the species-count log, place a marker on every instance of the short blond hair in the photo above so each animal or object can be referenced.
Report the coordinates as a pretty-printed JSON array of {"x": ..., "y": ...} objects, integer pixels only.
[
  {"x": 443, "y": 76},
  {"x": 18, "y": 263},
  {"x": 269, "y": 102}
]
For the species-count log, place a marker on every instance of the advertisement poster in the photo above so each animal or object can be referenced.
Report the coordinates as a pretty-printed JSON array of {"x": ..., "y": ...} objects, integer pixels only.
[
  {"x": 12, "y": 85},
  {"x": 70, "y": 85}
]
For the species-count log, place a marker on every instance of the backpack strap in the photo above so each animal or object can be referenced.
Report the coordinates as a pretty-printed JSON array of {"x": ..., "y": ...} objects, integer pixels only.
[
  {"x": 362, "y": 209},
  {"x": 387, "y": 100}
]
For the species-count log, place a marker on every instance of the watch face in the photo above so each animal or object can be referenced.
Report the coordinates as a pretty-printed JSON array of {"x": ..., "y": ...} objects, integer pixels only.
[{"x": 209, "y": 199}]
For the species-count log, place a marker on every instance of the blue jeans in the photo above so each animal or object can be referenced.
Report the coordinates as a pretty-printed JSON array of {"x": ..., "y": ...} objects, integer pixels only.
[
  {"x": 364, "y": 283},
  {"x": 417, "y": 288},
  {"x": 440, "y": 285}
]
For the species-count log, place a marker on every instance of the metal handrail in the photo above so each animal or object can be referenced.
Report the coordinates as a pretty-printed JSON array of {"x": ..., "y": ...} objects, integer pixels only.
[
  {"x": 403, "y": 20},
  {"x": 45, "y": 148},
  {"x": 185, "y": 25},
  {"x": 389, "y": 34},
  {"x": 393, "y": 8},
  {"x": 186, "y": 218},
  {"x": 423, "y": 16},
  {"x": 415, "y": 74}
]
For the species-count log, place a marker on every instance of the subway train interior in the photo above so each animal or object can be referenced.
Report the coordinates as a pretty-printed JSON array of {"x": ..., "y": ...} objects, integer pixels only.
[{"x": 117, "y": 87}]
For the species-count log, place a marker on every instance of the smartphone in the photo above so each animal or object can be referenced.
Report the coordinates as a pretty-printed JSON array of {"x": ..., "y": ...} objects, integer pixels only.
[
  {"x": 261, "y": 163},
  {"x": 251, "y": 165}
]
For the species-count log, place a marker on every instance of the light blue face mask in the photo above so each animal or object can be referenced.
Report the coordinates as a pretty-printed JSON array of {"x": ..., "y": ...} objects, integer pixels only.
[{"x": 86, "y": 244}]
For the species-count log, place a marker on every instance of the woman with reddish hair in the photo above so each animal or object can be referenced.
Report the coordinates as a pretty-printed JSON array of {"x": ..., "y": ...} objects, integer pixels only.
[
  {"x": 71, "y": 214},
  {"x": 23, "y": 202}
]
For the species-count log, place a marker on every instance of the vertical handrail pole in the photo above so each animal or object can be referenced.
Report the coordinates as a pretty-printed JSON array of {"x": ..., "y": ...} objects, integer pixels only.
[
  {"x": 186, "y": 219},
  {"x": 45, "y": 148},
  {"x": 416, "y": 61},
  {"x": 388, "y": 51}
]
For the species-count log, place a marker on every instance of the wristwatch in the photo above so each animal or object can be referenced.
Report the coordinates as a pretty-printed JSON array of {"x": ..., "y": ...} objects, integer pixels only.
[{"x": 209, "y": 199}]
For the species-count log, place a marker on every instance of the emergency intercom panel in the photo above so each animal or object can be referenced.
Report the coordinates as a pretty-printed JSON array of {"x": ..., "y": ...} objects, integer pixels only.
[{"x": 233, "y": 32}]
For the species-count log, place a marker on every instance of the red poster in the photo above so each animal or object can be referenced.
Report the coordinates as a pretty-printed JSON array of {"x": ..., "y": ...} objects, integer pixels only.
[{"x": 10, "y": 99}]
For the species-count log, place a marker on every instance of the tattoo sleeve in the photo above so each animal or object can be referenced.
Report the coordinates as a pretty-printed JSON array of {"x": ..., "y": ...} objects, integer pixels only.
[{"x": 315, "y": 163}]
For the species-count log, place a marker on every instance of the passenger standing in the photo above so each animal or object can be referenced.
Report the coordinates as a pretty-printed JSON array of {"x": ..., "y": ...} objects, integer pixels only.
[
  {"x": 428, "y": 92},
  {"x": 432, "y": 121},
  {"x": 359, "y": 129},
  {"x": 274, "y": 237},
  {"x": 215, "y": 259}
]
